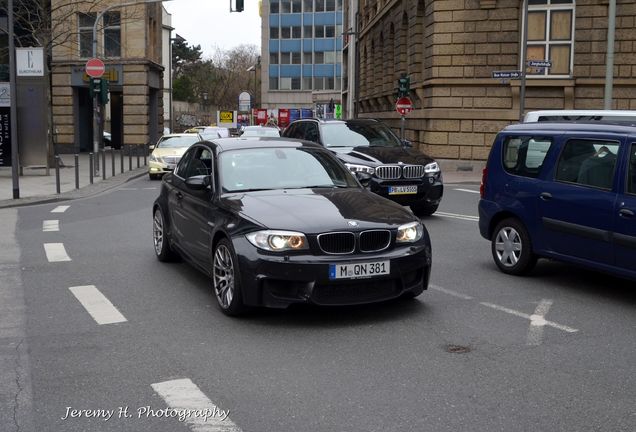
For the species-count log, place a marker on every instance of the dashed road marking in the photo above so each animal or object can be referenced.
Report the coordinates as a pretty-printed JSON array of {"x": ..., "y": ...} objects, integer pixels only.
[
  {"x": 60, "y": 209},
  {"x": 450, "y": 292},
  {"x": 537, "y": 319},
  {"x": 537, "y": 322},
  {"x": 467, "y": 190},
  {"x": 51, "y": 225},
  {"x": 55, "y": 252},
  {"x": 184, "y": 398},
  {"x": 97, "y": 305},
  {"x": 150, "y": 188},
  {"x": 457, "y": 216}
]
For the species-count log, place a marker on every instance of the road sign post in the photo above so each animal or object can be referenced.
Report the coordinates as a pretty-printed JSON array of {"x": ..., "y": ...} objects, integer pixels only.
[
  {"x": 403, "y": 106},
  {"x": 95, "y": 69}
]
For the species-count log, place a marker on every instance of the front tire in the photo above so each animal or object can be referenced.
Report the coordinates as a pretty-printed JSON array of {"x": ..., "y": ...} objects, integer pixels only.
[
  {"x": 160, "y": 237},
  {"x": 512, "y": 248},
  {"x": 226, "y": 279}
]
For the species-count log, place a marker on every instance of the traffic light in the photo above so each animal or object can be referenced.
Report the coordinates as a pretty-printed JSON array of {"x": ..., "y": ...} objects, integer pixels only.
[
  {"x": 404, "y": 86},
  {"x": 239, "y": 5},
  {"x": 99, "y": 87}
]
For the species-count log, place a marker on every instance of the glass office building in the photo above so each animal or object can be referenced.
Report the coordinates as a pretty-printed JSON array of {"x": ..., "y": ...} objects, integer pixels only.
[{"x": 301, "y": 53}]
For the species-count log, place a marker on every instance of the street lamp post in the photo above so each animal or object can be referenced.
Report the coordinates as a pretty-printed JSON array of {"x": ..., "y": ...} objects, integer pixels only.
[{"x": 96, "y": 105}]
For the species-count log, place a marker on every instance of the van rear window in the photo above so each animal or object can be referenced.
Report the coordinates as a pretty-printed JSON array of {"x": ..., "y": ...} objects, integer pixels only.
[{"x": 524, "y": 155}]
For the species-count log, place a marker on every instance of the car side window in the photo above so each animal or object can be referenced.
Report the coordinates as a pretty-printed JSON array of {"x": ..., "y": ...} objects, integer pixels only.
[
  {"x": 311, "y": 133},
  {"x": 182, "y": 166},
  {"x": 588, "y": 163},
  {"x": 524, "y": 156},
  {"x": 631, "y": 171},
  {"x": 200, "y": 164}
]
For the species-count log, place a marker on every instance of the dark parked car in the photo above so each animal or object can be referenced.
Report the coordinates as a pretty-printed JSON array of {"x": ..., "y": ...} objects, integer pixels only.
[
  {"x": 275, "y": 221},
  {"x": 399, "y": 172},
  {"x": 565, "y": 191}
]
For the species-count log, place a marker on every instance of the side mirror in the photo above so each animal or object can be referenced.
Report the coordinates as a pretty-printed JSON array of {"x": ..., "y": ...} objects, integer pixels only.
[
  {"x": 406, "y": 143},
  {"x": 151, "y": 147},
  {"x": 363, "y": 178},
  {"x": 198, "y": 182}
]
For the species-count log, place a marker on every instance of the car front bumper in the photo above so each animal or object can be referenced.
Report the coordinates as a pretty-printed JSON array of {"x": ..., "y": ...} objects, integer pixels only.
[
  {"x": 430, "y": 189},
  {"x": 279, "y": 281}
]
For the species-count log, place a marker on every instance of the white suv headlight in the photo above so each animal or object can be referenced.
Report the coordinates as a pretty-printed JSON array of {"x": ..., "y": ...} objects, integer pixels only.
[
  {"x": 431, "y": 168},
  {"x": 360, "y": 168},
  {"x": 278, "y": 241},
  {"x": 154, "y": 158},
  {"x": 410, "y": 233}
]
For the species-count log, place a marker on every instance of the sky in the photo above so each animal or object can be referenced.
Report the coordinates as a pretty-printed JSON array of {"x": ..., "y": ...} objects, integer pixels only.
[{"x": 210, "y": 23}]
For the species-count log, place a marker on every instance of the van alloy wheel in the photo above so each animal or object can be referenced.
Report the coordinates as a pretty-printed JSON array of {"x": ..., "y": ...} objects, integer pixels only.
[{"x": 512, "y": 248}]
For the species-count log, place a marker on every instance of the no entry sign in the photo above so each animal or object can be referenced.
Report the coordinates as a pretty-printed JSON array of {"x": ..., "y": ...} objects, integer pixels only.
[
  {"x": 404, "y": 106},
  {"x": 95, "y": 68}
]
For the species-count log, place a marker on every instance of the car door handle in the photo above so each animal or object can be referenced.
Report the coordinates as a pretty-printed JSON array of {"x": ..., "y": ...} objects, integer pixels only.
[
  {"x": 545, "y": 196},
  {"x": 626, "y": 213},
  {"x": 179, "y": 195}
]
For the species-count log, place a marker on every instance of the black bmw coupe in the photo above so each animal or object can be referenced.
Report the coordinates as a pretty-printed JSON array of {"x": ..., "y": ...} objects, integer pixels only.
[{"x": 276, "y": 221}]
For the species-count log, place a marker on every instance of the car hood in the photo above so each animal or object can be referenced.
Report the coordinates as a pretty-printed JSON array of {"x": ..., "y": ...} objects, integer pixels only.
[
  {"x": 169, "y": 151},
  {"x": 318, "y": 210},
  {"x": 381, "y": 155}
]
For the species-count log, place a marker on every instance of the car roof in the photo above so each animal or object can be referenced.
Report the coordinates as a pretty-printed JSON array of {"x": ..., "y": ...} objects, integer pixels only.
[
  {"x": 179, "y": 134},
  {"x": 534, "y": 116},
  {"x": 339, "y": 121},
  {"x": 589, "y": 126},
  {"x": 236, "y": 143}
]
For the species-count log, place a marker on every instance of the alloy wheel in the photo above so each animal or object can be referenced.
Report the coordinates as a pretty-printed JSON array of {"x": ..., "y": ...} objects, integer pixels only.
[
  {"x": 508, "y": 246},
  {"x": 158, "y": 232},
  {"x": 223, "y": 277}
]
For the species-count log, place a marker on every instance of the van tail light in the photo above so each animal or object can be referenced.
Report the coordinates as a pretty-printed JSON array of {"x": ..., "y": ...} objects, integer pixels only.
[{"x": 482, "y": 186}]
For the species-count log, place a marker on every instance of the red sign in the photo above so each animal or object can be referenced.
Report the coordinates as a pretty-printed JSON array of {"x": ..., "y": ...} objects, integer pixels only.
[
  {"x": 95, "y": 68},
  {"x": 283, "y": 117},
  {"x": 261, "y": 116},
  {"x": 404, "y": 106}
]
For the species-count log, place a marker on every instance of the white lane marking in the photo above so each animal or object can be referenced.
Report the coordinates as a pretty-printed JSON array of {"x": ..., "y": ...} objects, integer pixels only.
[
  {"x": 150, "y": 188},
  {"x": 529, "y": 317},
  {"x": 60, "y": 209},
  {"x": 128, "y": 189},
  {"x": 51, "y": 225},
  {"x": 457, "y": 216},
  {"x": 97, "y": 305},
  {"x": 467, "y": 190},
  {"x": 188, "y": 404},
  {"x": 537, "y": 322},
  {"x": 55, "y": 252},
  {"x": 450, "y": 292}
]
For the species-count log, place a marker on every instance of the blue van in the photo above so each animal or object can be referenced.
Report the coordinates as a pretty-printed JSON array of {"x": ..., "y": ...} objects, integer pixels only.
[{"x": 565, "y": 191}]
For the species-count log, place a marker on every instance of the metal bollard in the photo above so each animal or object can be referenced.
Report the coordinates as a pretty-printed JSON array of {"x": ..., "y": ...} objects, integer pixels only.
[
  {"x": 145, "y": 156},
  {"x": 57, "y": 174},
  {"x": 76, "y": 171},
  {"x": 129, "y": 158},
  {"x": 90, "y": 167},
  {"x": 137, "y": 154},
  {"x": 103, "y": 164},
  {"x": 121, "y": 157},
  {"x": 112, "y": 161}
]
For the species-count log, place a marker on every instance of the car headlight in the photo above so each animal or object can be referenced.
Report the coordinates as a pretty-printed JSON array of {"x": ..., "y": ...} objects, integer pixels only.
[
  {"x": 157, "y": 159},
  {"x": 278, "y": 241},
  {"x": 360, "y": 168},
  {"x": 410, "y": 233},
  {"x": 432, "y": 168}
]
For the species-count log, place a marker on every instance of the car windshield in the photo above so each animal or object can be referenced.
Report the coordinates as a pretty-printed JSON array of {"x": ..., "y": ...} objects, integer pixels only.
[
  {"x": 281, "y": 168},
  {"x": 260, "y": 131},
  {"x": 351, "y": 134},
  {"x": 177, "y": 141}
]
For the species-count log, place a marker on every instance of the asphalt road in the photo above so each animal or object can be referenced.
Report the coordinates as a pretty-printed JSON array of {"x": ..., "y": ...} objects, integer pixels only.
[{"x": 478, "y": 351}]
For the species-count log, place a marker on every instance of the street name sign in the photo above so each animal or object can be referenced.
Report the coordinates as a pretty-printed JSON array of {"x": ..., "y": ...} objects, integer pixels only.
[
  {"x": 540, "y": 63},
  {"x": 95, "y": 68},
  {"x": 507, "y": 74}
]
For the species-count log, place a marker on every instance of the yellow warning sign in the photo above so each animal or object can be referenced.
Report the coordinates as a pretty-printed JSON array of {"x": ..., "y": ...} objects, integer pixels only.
[{"x": 226, "y": 116}]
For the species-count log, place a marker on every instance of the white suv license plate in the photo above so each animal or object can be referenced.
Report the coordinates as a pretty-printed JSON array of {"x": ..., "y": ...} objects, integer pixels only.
[
  {"x": 359, "y": 270},
  {"x": 402, "y": 190}
]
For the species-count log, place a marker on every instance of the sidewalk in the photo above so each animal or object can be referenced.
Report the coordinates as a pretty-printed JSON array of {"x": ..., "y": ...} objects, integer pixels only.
[{"x": 36, "y": 187}]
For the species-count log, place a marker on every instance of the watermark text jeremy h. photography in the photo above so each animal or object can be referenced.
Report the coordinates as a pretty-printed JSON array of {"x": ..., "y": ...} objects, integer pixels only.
[{"x": 124, "y": 412}]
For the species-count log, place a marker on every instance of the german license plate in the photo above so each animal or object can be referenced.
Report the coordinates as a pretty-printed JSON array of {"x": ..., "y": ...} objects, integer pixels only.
[
  {"x": 402, "y": 190},
  {"x": 359, "y": 270}
]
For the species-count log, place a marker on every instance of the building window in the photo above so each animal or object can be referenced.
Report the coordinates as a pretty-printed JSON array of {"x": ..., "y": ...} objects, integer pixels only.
[
  {"x": 295, "y": 58},
  {"x": 319, "y": 57},
  {"x": 285, "y": 83},
  {"x": 551, "y": 36},
  {"x": 307, "y": 83},
  {"x": 296, "y": 33},
  {"x": 307, "y": 58},
  {"x": 273, "y": 83},
  {"x": 308, "y": 5},
  {"x": 285, "y": 58},
  {"x": 285, "y": 33},
  {"x": 307, "y": 32},
  {"x": 295, "y": 83},
  {"x": 273, "y": 33},
  {"x": 273, "y": 58},
  {"x": 285, "y": 6},
  {"x": 330, "y": 57},
  {"x": 330, "y": 5},
  {"x": 296, "y": 6},
  {"x": 112, "y": 34},
  {"x": 85, "y": 30},
  {"x": 273, "y": 7}
]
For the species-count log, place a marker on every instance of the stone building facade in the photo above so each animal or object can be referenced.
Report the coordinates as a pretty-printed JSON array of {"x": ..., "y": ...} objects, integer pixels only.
[
  {"x": 450, "y": 49},
  {"x": 129, "y": 41}
]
